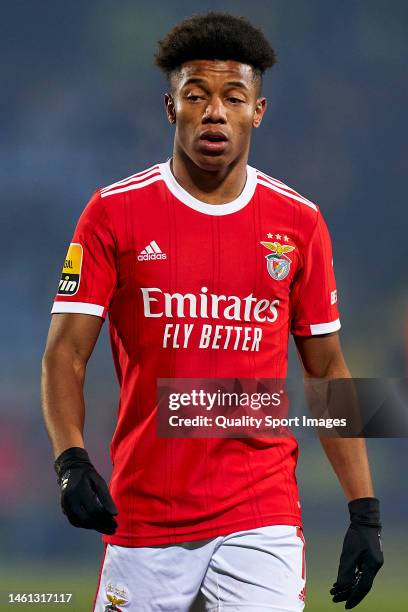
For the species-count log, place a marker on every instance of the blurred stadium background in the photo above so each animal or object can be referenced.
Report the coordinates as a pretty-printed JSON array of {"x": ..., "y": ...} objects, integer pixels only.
[{"x": 81, "y": 107}]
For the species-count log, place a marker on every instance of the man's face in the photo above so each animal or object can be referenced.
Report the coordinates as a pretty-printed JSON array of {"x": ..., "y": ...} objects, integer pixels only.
[{"x": 214, "y": 104}]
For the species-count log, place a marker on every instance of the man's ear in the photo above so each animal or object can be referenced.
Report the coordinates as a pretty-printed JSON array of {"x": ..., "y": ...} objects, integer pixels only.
[
  {"x": 170, "y": 108},
  {"x": 259, "y": 112}
]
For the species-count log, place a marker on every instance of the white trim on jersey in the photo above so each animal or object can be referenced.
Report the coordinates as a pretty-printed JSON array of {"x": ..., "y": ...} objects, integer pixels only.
[
  {"x": 140, "y": 185},
  {"x": 325, "y": 328},
  {"x": 210, "y": 209},
  {"x": 163, "y": 172},
  {"x": 279, "y": 183},
  {"x": 133, "y": 177},
  {"x": 276, "y": 181},
  {"x": 268, "y": 184},
  {"x": 78, "y": 308}
]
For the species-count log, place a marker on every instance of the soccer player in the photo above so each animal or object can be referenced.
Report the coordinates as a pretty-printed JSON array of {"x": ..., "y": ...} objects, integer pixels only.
[{"x": 204, "y": 265}]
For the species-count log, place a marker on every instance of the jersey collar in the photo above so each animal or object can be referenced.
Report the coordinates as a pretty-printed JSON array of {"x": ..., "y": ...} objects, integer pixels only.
[{"x": 210, "y": 209}]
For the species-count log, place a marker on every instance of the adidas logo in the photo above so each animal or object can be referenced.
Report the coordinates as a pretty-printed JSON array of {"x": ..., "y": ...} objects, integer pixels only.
[{"x": 152, "y": 251}]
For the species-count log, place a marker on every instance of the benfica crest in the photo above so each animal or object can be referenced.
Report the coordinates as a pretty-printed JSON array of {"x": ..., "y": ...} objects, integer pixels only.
[
  {"x": 277, "y": 262},
  {"x": 116, "y": 595}
]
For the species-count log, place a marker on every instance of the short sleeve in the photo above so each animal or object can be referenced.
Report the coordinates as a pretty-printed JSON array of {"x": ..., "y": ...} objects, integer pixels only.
[
  {"x": 88, "y": 278},
  {"x": 314, "y": 307}
]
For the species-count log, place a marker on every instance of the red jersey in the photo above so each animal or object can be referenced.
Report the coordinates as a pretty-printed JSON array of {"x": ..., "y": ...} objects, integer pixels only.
[{"x": 197, "y": 290}]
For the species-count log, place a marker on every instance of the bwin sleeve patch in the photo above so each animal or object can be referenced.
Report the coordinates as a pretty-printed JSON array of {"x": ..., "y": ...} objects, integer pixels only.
[{"x": 71, "y": 271}]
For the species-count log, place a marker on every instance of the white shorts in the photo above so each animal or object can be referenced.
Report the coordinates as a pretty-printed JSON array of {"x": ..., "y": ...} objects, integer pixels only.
[{"x": 249, "y": 571}]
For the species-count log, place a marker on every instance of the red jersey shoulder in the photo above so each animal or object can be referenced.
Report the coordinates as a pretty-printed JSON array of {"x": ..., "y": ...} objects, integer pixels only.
[
  {"x": 298, "y": 206},
  {"x": 284, "y": 192},
  {"x": 133, "y": 183},
  {"x": 93, "y": 216}
]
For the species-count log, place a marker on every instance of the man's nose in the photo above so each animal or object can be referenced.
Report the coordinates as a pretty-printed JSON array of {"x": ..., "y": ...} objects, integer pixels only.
[{"x": 215, "y": 111}]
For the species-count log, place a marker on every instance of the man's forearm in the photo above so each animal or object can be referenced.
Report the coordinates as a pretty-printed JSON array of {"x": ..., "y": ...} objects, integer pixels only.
[
  {"x": 323, "y": 360},
  {"x": 63, "y": 400},
  {"x": 348, "y": 456}
]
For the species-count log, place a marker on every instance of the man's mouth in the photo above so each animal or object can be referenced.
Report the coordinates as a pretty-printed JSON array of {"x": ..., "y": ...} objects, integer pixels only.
[
  {"x": 213, "y": 136},
  {"x": 212, "y": 141}
]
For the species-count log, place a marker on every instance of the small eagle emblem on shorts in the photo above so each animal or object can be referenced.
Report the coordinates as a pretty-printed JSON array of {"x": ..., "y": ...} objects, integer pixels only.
[
  {"x": 277, "y": 262},
  {"x": 116, "y": 595}
]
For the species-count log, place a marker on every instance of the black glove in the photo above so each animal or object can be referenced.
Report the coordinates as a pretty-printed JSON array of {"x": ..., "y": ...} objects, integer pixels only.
[
  {"x": 362, "y": 555},
  {"x": 85, "y": 498}
]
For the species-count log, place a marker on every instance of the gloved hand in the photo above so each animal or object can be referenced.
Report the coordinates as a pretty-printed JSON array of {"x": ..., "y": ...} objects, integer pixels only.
[
  {"x": 85, "y": 498},
  {"x": 362, "y": 555}
]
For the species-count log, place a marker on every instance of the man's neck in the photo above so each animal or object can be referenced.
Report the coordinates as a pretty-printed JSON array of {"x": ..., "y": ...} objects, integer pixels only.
[{"x": 210, "y": 187}]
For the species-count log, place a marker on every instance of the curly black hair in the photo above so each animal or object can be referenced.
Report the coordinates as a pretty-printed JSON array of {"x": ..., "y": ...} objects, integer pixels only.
[{"x": 218, "y": 36}]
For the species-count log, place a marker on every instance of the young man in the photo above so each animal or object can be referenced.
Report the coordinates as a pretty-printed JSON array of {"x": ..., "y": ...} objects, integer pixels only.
[{"x": 233, "y": 260}]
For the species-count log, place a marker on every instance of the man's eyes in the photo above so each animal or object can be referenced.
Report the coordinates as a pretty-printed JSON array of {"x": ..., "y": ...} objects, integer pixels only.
[
  {"x": 194, "y": 97},
  {"x": 198, "y": 97}
]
